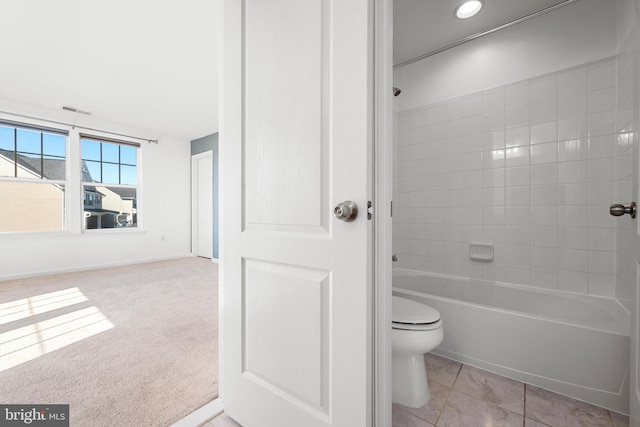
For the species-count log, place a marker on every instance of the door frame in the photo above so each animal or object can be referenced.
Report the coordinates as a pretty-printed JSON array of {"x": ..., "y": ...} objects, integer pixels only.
[{"x": 194, "y": 201}]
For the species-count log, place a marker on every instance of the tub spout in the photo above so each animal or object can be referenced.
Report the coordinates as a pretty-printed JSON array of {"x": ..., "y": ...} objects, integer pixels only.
[{"x": 394, "y": 258}]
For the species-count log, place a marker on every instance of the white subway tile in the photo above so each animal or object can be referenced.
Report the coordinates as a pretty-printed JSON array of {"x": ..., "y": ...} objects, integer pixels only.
[
  {"x": 602, "y": 284},
  {"x": 452, "y": 145},
  {"x": 573, "y": 128},
  {"x": 572, "y": 106},
  {"x": 418, "y": 118},
  {"x": 493, "y": 196},
  {"x": 453, "y": 162},
  {"x": 493, "y": 178},
  {"x": 544, "y": 257},
  {"x": 544, "y": 132},
  {"x": 472, "y": 215},
  {"x": 573, "y": 150},
  {"x": 453, "y": 250},
  {"x": 472, "y": 179},
  {"x": 518, "y": 215},
  {"x": 602, "y": 75},
  {"x": 434, "y": 198},
  {"x": 517, "y": 116},
  {"x": 517, "y": 255},
  {"x": 517, "y": 156},
  {"x": 433, "y": 132},
  {"x": 452, "y": 198},
  {"x": 434, "y": 248},
  {"x": 472, "y": 105},
  {"x": 543, "y": 88},
  {"x": 417, "y": 199},
  {"x": 544, "y": 111},
  {"x": 472, "y": 143},
  {"x": 493, "y": 121},
  {"x": 472, "y": 125},
  {"x": 544, "y": 277},
  {"x": 602, "y": 146},
  {"x": 434, "y": 115},
  {"x": 472, "y": 197},
  {"x": 602, "y": 262},
  {"x": 544, "y": 174},
  {"x": 545, "y": 216},
  {"x": 494, "y": 272},
  {"x": 452, "y": 180},
  {"x": 518, "y": 176},
  {"x": 573, "y": 216},
  {"x": 602, "y": 192},
  {"x": 492, "y": 159},
  {"x": 573, "y": 172},
  {"x": 518, "y": 196},
  {"x": 452, "y": 128},
  {"x": 573, "y": 260},
  {"x": 418, "y": 231},
  {"x": 517, "y": 235},
  {"x": 452, "y": 267},
  {"x": 573, "y": 281},
  {"x": 602, "y": 123},
  {"x": 493, "y": 100},
  {"x": 471, "y": 233},
  {"x": 603, "y": 169},
  {"x": 602, "y": 100},
  {"x": 573, "y": 237},
  {"x": 493, "y": 139},
  {"x": 434, "y": 215},
  {"x": 546, "y": 195},
  {"x": 472, "y": 161},
  {"x": 546, "y": 237},
  {"x": 472, "y": 269},
  {"x": 602, "y": 239},
  {"x": 452, "y": 110},
  {"x": 573, "y": 194},
  {"x": 599, "y": 216},
  {"x": 517, "y": 136},
  {"x": 519, "y": 275},
  {"x": 452, "y": 232},
  {"x": 494, "y": 215},
  {"x": 494, "y": 234},
  {"x": 572, "y": 82},
  {"x": 517, "y": 94},
  {"x": 544, "y": 153}
]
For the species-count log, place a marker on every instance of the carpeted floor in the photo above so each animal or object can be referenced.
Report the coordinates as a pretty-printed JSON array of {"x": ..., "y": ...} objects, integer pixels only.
[{"x": 125, "y": 346}]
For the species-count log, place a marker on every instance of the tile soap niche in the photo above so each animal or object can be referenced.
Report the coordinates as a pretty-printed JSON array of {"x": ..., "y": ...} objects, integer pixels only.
[{"x": 481, "y": 252}]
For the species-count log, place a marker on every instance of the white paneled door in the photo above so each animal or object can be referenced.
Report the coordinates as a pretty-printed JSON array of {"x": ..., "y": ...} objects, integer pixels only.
[{"x": 296, "y": 140}]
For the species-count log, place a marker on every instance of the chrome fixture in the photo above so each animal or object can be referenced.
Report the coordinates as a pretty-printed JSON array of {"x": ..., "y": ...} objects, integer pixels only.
[
  {"x": 346, "y": 211},
  {"x": 394, "y": 258},
  {"x": 396, "y": 91},
  {"x": 619, "y": 210}
]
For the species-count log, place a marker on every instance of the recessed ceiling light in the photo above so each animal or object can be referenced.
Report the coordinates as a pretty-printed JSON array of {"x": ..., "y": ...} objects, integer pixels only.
[{"x": 468, "y": 9}]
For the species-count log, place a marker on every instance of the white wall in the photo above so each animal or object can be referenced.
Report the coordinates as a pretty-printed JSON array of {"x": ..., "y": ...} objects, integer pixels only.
[
  {"x": 581, "y": 32},
  {"x": 165, "y": 206}
]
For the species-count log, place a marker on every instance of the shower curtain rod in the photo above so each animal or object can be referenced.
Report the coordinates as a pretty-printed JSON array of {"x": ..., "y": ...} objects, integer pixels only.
[
  {"x": 155, "y": 141},
  {"x": 484, "y": 33}
]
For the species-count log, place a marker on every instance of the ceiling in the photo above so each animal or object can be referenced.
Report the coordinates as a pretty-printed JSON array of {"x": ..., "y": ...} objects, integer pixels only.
[
  {"x": 422, "y": 26},
  {"x": 147, "y": 64},
  {"x": 153, "y": 64}
]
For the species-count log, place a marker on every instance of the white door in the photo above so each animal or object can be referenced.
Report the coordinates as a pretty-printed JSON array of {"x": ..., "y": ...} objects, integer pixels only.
[
  {"x": 203, "y": 204},
  {"x": 296, "y": 282}
]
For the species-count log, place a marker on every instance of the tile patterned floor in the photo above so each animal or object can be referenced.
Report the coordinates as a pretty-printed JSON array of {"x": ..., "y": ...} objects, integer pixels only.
[{"x": 463, "y": 396}]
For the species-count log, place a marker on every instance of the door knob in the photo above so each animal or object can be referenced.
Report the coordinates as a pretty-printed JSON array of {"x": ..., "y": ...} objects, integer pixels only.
[
  {"x": 346, "y": 211},
  {"x": 619, "y": 210}
]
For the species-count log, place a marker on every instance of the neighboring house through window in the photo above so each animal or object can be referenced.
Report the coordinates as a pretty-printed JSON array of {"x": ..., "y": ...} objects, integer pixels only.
[
  {"x": 33, "y": 178},
  {"x": 109, "y": 183}
]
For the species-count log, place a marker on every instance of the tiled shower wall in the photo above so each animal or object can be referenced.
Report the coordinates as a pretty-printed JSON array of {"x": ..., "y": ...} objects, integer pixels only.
[{"x": 529, "y": 167}]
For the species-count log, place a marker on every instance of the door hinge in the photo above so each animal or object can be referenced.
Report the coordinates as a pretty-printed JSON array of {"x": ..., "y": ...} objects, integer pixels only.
[{"x": 369, "y": 209}]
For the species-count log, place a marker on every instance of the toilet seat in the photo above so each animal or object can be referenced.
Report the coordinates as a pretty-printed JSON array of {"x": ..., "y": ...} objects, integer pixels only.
[{"x": 410, "y": 315}]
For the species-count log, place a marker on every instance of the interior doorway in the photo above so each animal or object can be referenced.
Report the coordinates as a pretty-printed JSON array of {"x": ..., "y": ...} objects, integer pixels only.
[{"x": 202, "y": 204}]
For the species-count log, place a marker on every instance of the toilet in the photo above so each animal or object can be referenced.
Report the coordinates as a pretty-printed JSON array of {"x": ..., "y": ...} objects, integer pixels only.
[{"x": 416, "y": 330}]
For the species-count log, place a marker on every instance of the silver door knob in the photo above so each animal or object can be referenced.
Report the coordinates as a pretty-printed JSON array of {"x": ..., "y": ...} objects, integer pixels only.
[
  {"x": 619, "y": 210},
  {"x": 346, "y": 211}
]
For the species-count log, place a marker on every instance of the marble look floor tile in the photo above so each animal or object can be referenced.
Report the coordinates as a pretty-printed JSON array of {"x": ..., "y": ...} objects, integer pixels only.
[
  {"x": 619, "y": 420},
  {"x": 561, "y": 411},
  {"x": 431, "y": 410},
  {"x": 402, "y": 418},
  {"x": 528, "y": 422},
  {"x": 463, "y": 410},
  {"x": 223, "y": 420},
  {"x": 491, "y": 388},
  {"x": 441, "y": 370}
]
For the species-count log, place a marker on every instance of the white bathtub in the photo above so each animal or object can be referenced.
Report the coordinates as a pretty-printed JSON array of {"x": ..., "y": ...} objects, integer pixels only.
[{"x": 576, "y": 345}]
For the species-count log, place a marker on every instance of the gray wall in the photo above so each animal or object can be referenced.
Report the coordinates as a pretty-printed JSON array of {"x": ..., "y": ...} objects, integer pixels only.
[{"x": 201, "y": 145}]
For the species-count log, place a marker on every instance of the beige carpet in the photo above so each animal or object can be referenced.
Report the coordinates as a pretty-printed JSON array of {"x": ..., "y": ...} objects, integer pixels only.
[{"x": 132, "y": 346}]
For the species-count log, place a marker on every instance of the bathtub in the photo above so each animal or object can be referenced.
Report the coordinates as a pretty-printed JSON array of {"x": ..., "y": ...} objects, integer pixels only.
[{"x": 576, "y": 345}]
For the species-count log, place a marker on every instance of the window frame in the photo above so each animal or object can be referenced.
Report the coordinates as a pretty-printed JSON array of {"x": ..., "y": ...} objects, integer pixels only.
[
  {"x": 42, "y": 179},
  {"x": 136, "y": 208}
]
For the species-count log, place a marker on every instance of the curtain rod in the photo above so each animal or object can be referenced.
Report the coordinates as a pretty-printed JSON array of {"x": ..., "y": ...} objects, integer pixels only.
[
  {"x": 155, "y": 141},
  {"x": 484, "y": 33}
]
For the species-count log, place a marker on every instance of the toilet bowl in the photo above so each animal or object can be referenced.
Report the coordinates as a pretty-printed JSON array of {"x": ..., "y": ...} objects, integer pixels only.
[{"x": 416, "y": 330}]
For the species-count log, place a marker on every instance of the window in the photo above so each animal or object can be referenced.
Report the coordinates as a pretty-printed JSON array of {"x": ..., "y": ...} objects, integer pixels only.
[
  {"x": 109, "y": 183},
  {"x": 32, "y": 178}
]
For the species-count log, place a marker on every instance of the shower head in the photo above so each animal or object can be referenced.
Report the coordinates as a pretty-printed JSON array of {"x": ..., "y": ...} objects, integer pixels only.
[{"x": 396, "y": 91}]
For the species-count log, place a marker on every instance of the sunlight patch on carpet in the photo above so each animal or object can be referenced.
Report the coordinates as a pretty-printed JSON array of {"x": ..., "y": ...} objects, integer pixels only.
[
  {"x": 30, "y": 342},
  {"x": 27, "y": 307}
]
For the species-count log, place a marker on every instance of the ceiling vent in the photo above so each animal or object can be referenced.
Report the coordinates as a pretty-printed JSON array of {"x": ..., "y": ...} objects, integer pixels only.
[{"x": 75, "y": 110}]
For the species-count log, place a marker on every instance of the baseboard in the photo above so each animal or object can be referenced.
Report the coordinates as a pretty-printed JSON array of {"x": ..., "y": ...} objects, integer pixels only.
[
  {"x": 91, "y": 267},
  {"x": 202, "y": 415}
]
